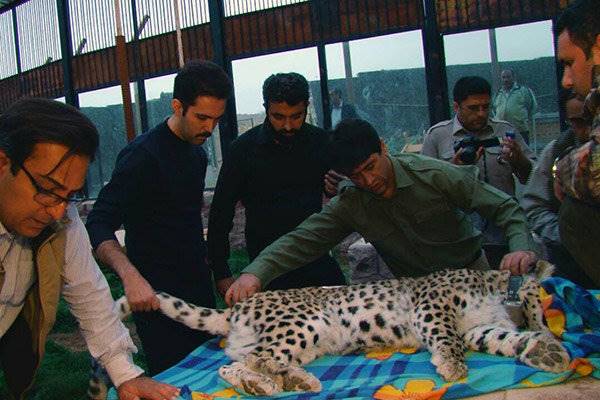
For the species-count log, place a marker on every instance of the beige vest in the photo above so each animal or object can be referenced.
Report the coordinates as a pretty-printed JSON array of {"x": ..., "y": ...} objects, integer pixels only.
[{"x": 39, "y": 310}]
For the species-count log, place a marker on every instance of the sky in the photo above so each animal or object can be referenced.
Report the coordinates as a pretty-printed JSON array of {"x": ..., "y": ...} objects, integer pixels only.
[{"x": 396, "y": 51}]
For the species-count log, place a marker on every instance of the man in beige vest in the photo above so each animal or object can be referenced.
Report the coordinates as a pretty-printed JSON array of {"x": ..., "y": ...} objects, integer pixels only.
[{"x": 45, "y": 150}]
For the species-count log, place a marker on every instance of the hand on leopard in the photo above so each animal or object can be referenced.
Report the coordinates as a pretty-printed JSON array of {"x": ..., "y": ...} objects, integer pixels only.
[
  {"x": 146, "y": 388},
  {"x": 224, "y": 284},
  {"x": 244, "y": 286},
  {"x": 518, "y": 262},
  {"x": 139, "y": 293}
]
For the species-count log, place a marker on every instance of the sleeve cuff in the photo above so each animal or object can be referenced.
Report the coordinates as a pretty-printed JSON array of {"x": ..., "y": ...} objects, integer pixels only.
[{"x": 121, "y": 369}]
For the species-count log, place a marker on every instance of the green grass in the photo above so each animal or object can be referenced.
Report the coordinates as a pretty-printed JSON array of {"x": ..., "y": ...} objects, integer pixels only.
[{"x": 64, "y": 374}]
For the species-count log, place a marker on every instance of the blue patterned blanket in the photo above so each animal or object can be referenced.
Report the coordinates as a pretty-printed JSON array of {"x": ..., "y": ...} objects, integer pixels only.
[{"x": 572, "y": 313}]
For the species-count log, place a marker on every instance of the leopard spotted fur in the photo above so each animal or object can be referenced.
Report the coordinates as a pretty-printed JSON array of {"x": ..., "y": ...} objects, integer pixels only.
[{"x": 272, "y": 334}]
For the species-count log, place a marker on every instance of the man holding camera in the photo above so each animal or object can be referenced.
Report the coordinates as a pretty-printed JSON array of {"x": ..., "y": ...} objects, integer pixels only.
[{"x": 473, "y": 138}]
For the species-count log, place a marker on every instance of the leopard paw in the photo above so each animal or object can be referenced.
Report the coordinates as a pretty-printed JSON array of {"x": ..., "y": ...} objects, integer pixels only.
[
  {"x": 545, "y": 353},
  {"x": 452, "y": 370},
  {"x": 238, "y": 375},
  {"x": 298, "y": 379},
  {"x": 265, "y": 365}
]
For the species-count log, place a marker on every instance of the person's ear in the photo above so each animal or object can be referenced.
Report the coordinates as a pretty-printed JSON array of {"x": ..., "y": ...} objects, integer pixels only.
[
  {"x": 455, "y": 107},
  {"x": 596, "y": 51},
  {"x": 177, "y": 107},
  {"x": 384, "y": 150},
  {"x": 5, "y": 163}
]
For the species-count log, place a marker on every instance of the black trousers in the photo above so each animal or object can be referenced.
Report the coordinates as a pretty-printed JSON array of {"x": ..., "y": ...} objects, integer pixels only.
[
  {"x": 165, "y": 341},
  {"x": 324, "y": 271},
  {"x": 17, "y": 357}
]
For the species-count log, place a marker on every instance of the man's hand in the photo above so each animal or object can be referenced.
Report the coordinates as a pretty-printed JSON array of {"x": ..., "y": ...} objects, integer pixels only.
[
  {"x": 513, "y": 154},
  {"x": 224, "y": 284},
  {"x": 139, "y": 293},
  {"x": 518, "y": 262},
  {"x": 146, "y": 388},
  {"x": 244, "y": 286},
  {"x": 332, "y": 179},
  {"x": 456, "y": 160}
]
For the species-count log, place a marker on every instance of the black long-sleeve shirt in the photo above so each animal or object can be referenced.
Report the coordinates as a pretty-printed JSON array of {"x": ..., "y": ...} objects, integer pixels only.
[
  {"x": 156, "y": 193},
  {"x": 278, "y": 186}
]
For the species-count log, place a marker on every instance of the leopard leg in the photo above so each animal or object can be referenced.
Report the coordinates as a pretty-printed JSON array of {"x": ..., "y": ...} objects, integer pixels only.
[
  {"x": 290, "y": 377},
  {"x": 529, "y": 295},
  {"x": 249, "y": 381},
  {"x": 444, "y": 343},
  {"x": 536, "y": 349}
]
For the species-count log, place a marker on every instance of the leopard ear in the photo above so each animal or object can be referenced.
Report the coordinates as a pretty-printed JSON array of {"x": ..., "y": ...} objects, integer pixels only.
[{"x": 543, "y": 269}]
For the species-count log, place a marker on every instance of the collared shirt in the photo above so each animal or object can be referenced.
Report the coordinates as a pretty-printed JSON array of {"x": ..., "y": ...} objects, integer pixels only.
[
  {"x": 440, "y": 140},
  {"x": 86, "y": 291},
  {"x": 422, "y": 228},
  {"x": 278, "y": 186},
  {"x": 156, "y": 192},
  {"x": 17, "y": 275},
  {"x": 516, "y": 105},
  {"x": 336, "y": 115}
]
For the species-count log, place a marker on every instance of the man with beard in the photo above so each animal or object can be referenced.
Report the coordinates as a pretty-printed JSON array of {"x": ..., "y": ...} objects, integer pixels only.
[
  {"x": 278, "y": 171},
  {"x": 578, "y": 173},
  {"x": 411, "y": 208},
  {"x": 539, "y": 201},
  {"x": 497, "y": 163},
  {"x": 156, "y": 193}
]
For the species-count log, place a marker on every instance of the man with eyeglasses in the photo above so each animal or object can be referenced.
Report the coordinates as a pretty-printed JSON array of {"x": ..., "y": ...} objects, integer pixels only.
[
  {"x": 497, "y": 163},
  {"x": 45, "y": 150},
  {"x": 540, "y": 203}
]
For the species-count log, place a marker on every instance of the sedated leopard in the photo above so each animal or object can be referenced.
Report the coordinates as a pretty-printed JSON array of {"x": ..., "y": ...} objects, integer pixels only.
[{"x": 272, "y": 334}]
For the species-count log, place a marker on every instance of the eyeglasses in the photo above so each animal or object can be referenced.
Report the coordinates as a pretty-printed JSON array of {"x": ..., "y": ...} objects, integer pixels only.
[
  {"x": 478, "y": 107},
  {"x": 47, "y": 197}
]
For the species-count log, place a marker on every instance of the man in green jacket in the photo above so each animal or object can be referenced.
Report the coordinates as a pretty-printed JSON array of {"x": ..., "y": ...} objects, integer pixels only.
[
  {"x": 412, "y": 208},
  {"x": 45, "y": 150}
]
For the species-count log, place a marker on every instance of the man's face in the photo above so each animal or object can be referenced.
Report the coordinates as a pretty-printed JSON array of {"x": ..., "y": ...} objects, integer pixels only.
[
  {"x": 200, "y": 118},
  {"x": 473, "y": 112},
  {"x": 286, "y": 119},
  {"x": 507, "y": 79},
  {"x": 375, "y": 175},
  {"x": 577, "y": 73},
  {"x": 574, "y": 113},
  {"x": 335, "y": 99},
  {"x": 20, "y": 211}
]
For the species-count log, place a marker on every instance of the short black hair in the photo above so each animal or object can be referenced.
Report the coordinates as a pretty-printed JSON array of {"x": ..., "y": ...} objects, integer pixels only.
[
  {"x": 581, "y": 19},
  {"x": 337, "y": 91},
  {"x": 352, "y": 142},
  {"x": 290, "y": 87},
  {"x": 30, "y": 121},
  {"x": 470, "y": 85},
  {"x": 201, "y": 78}
]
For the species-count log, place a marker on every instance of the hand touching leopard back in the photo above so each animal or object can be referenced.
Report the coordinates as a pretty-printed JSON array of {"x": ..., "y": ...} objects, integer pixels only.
[{"x": 272, "y": 334}]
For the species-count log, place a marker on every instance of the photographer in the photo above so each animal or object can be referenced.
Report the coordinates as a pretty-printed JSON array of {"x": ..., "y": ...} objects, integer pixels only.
[{"x": 472, "y": 137}]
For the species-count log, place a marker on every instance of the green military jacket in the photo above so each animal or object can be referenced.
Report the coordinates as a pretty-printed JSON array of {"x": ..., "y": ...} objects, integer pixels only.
[{"x": 424, "y": 227}]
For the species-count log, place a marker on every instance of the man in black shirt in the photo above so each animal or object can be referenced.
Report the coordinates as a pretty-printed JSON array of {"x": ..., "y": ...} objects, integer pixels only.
[
  {"x": 156, "y": 193},
  {"x": 277, "y": 170}
]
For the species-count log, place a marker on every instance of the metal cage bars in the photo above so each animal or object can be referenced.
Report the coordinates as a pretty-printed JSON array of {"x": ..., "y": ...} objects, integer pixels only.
[{"x": 249, "y": 28}]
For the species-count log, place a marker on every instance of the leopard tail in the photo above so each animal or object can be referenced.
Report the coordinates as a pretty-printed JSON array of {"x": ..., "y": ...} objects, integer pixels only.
[{"x": 213, "y": 321}]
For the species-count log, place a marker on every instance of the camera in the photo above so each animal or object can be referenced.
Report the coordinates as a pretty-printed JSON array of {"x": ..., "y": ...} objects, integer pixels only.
[{"x": 471, "y": 144}]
